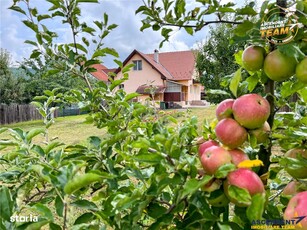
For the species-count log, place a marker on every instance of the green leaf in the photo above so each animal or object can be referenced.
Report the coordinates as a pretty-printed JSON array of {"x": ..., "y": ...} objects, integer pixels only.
[
  {"x": 292, "y": 50},
  {"x": 85, "y": 204},
  {"x": 43, "y": 211},
  {"x": 235, "y": 81},
  {"x": 8, "y": 143},
  {"x": 243, "y": 28},
  {"x": 78, "y": 46},
  {"x": 155, "y": 210},
  {"x": 156, "y": 27},
  {"x": 6, "y": 203},
  {"x": 84, "y": 218},
  {"x": 252, "y": 81},
  {"x": 224, "y": 226},
  {"x": 180, "y": 8},
  {"x": 238, "y": 57},
  {"x": 192, "y": 185},
  {"x": 256, "y": 209},
  {"x": 104, "y": 52},
  {"x": 240, "y": 195},
  {"x": 247, "y": 10},
  {"x": 223, "y": 171},
  {"x": 42, "y": 17},
  {"x": 59, "y": 206},
  {"x": 54, "y": 226},
  {"x": 18, "y": 9},
  {"x": 288, "y": 88},
  {"x": 35, "y": 54},
  {"x": 189, "y": 30},
  {"x": 130, "y": 96},
  {"x": 149, "y": 158},
  {"x": 37, "y": 225},
  {"x": 2, "y": 130},
  {"x": 31, "y": 25},
  {"x": 32, "y": 133},
  {"x": 81, "y": 181},
  {"x": 303, "y": 94},
  {"x": 52, "y": 72},
  {"x": 30, "y": 42},
  {"x": 52, "y": 146}
]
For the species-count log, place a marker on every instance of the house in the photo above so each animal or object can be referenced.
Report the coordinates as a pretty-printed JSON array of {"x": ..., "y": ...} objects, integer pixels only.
[
  {"x": 102, "y": 73},
  {"x": 168, "y": 77}
]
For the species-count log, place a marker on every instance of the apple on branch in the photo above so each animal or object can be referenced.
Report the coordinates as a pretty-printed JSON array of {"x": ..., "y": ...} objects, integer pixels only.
[
  {"x": 213, "y": 158},
  {"x": 253, "y": 58},
  {"x": 251, "y": 110},
  {"x": 230, "y": 133},
  {"x": 224, "y": 109},
  {"x": 279, "y": 67}
]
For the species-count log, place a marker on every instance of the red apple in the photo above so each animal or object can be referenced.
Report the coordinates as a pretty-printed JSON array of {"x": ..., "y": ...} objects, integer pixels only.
[
  {"x": 230, "y": 133},
  {"x": 251, "y": 110},
  {"x": 301, "y": 71},
  {"x": 297, "y": 207},
  {"x": 237, "y": 156},
  {"x": 213, "y": 158},
  {"x": 299, "y": 172},
  {"x": 278, "y": 66},
  {"x": 253, "y": 58},
  {"x": 205, "y": 145},
  {"x": 261, "y": 134},
  {"x": 224, "y": 109},
  {"x": 245, "y": 179},
  {"x": 291, "y": 188}
]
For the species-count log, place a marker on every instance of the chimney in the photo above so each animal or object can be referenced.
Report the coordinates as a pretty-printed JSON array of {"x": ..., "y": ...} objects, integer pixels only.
[{"x": 156, "y": 56}]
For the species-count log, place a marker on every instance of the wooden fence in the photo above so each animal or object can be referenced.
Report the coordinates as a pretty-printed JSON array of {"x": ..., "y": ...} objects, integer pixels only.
[{"x": 16, "y": 113}]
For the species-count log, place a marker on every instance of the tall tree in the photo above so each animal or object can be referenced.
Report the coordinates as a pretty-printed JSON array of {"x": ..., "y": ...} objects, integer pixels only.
[
  {"x": 11, "y": 89},
  {"x": 215, "y": 60},
  {"x": 38, "y": 79}
]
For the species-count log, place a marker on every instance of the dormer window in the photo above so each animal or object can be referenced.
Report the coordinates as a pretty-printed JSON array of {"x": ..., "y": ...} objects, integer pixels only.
[{"x": 137, "y": 65}]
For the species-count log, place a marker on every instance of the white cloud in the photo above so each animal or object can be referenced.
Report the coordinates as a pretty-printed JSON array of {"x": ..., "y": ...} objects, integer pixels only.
[{"x": 124, "y": 39}]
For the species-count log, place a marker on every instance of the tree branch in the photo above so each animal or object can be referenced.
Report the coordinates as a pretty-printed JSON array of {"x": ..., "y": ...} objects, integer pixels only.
[{"x": 199, "y": 27}]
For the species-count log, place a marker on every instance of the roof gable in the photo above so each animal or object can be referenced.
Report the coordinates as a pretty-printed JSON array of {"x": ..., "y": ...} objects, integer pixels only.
[
  {"x": 101, "y": 72},
  {"x": 174, "y": 66},
  {"x": 180, "y": 64}
]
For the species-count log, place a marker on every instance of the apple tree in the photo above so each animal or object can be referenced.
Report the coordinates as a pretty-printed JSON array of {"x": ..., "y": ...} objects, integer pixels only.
[
  {"x": 275, "y": 59},
  {"x": 154, "y": 169}
]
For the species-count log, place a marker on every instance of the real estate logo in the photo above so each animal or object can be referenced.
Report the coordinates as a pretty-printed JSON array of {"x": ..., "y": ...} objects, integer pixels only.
[
  {"x": 270, "y": 224},
  {"x": 279, "y": 26}
]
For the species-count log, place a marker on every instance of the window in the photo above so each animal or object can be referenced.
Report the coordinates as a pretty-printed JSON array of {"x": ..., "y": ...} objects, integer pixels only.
[
  {"x": 137, "y": 65},
  {"x": 172, "y": 87},
  {"x": 121, "y": 86}
]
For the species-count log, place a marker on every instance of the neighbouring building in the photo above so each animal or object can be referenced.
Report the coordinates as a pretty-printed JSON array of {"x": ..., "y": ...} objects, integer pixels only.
[
  {"x": 102, "y": 73},
  {"x": 169, "y": 77}
]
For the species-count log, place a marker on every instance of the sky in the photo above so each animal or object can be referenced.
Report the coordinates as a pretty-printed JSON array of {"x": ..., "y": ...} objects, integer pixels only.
[{"x": 125, "y": 38}]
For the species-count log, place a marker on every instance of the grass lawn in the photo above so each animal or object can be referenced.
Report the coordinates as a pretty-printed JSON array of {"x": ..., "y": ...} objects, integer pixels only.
[
  {"x": 70, "y": 130},
  {"x": 73, "y": 130}
]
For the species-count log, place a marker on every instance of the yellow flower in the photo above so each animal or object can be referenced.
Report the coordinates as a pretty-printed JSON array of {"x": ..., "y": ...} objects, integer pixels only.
[{"x": 250, "y": 163}]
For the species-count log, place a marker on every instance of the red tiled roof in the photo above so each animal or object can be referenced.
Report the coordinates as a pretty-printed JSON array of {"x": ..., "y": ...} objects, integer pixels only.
[
  {"x": 102, "y": 72},
  {"x": 178, "y": 65}
]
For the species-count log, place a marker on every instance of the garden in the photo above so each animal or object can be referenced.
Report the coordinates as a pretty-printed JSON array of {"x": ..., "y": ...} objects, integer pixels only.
[{"x": 241, "y": 164}]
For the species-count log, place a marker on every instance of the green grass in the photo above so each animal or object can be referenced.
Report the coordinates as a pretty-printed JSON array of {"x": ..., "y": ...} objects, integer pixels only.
[
  {"x": 207, "y": 113},
  {"x": 73, "y": 130},
  {"x": 70, "y": 130}
]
